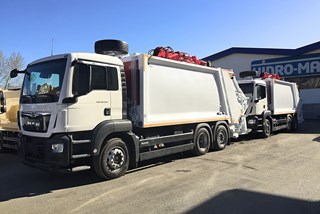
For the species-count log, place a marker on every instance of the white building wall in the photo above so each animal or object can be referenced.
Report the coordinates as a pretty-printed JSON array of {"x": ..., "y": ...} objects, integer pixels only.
[
  {"x": 312, "y": 52},
  {"x": 310, "y": 96},
  {"x": 240, "y": 62}
]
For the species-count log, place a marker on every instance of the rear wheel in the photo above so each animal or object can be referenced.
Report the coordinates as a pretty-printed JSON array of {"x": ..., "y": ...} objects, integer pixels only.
[
  {"x": 221, "y": 138},
  {"x": 201, "y": 141},
  {"x": 113, "y": 160}
]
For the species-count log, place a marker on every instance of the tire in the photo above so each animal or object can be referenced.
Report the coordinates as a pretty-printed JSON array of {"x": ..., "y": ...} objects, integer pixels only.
[
  {"x": 221, "y": 138},
  {"x": 2, "y": 149},
  {"x": 289, "y": 123},
  {"x": 294, "y": 125},
  {"x": 201, "y": 141},
  {"x": 1, "y": 146},
  {"x": 113, "y": 160},
  {"x": 111, "y": 47},
  {"x": 266, "y": 132}
]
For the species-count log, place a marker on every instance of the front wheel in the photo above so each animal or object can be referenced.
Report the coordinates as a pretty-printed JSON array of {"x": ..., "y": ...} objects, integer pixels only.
[
  {"x": 2, "y": 148},
  {"x": 113, "y": 160},
  {"x": 289, "y": 124},
  {"x": 266, "y": 132},
  {"x": 294, "y": 125}
]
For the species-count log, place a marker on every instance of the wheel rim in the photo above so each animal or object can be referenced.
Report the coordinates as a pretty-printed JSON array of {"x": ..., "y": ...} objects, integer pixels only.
[
  {"x": 116, "y": 158},
  {"x": 221, "y": 138},
  {"x": 203, "y": 141},
  {"x": 267, "y": 127},
  {"x": 289, "y": 123}
]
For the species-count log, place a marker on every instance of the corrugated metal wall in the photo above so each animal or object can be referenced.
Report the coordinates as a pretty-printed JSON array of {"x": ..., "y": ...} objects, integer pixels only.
[{"x": 311, "y": 111}]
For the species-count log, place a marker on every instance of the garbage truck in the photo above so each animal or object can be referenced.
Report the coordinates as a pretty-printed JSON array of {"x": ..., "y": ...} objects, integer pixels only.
[
  {"x": 109, "y": 110},
  {"x": 273, "y": 104},
  {"x": 9, "y": 99}
]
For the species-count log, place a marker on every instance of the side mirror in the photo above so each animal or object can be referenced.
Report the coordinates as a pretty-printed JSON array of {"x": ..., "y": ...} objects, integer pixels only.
[
  {"x": 14, "y": 73},
  {"x": 3, "y": 107}
]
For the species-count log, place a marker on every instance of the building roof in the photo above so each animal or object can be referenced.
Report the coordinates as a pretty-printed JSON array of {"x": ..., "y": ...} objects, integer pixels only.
[{"x": 270, "y": 51}]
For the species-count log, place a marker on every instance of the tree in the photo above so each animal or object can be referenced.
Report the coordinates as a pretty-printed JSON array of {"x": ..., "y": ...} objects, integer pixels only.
[{"x": 14, "y": 61}]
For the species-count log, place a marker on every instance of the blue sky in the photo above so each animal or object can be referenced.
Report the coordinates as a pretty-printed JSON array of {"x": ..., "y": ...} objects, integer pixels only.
[{"x": 201, "y": 27}]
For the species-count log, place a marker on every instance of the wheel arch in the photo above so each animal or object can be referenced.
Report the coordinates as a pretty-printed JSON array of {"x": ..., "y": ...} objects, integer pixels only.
[
  {"x": 106, "y": 128},
  {"x": 116, "y": 129},
  {"x": 266, "y": 114}
]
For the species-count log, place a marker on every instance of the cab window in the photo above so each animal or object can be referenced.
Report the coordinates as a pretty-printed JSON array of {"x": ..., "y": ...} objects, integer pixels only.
[
  {"x": 87, "y": 78},
  {"x": 261, "y": 92}
]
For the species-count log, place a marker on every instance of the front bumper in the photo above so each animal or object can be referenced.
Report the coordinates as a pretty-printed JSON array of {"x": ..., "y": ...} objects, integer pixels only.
[
  {"x": 253, "y": 122},
  {"x": 37, "y": 152}
]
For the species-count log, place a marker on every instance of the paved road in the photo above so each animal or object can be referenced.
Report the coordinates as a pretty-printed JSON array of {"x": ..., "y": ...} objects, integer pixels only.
[{"x": 280, "y": 174}]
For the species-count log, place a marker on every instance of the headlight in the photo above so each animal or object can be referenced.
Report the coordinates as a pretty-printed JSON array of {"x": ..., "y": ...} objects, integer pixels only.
[
  {"x": 252, "y": 121},
  {"x": 57, "y": 147}
]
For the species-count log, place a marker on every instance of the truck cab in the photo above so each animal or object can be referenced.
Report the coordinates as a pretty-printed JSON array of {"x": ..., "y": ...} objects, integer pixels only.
[
  {"x": 255, "y": 91},
  {"x": 63, "y": 99}
]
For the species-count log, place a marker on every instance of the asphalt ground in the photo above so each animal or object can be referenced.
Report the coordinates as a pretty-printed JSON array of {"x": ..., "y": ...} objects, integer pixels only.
[{"x": 280, "y": 174}]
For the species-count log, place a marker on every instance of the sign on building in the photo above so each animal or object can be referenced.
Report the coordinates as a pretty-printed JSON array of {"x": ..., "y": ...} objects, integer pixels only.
[{"x": 297, "y": 66}]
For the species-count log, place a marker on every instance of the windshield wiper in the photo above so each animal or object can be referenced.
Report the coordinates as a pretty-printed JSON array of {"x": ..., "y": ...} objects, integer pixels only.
[
  {"x": 27, "y": 98},
  {"x": 38, "y": 98},
  {"x": 47, "y": 97}
]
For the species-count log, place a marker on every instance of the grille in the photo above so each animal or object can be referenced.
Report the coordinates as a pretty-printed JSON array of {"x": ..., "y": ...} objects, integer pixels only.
[{"x": 35, "y": 122}]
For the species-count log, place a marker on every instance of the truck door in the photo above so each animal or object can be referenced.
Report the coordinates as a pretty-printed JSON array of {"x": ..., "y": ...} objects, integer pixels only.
[
  {"x": 260, "y": 99},
  {"x": 93, "y": 86}
]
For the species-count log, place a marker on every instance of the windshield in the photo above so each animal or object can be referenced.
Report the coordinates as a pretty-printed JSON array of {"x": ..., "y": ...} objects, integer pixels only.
[
  {"x": 43, "y": 81},
  {"x": 247, "y": 89}
]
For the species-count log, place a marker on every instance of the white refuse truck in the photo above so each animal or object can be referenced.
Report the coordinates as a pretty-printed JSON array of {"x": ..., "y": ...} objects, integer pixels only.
[
  {"x": 110, "y": 112},
  {"x": 9, "y": 99},
  {"x": 273, "y": 104}
]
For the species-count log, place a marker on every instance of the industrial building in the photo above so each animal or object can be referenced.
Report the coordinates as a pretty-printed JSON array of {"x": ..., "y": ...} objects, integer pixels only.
[{"x": 300, "y": 65}]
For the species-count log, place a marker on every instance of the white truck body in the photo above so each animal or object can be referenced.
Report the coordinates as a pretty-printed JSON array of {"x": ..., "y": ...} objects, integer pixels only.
[
  {"x": 284, "y": 96},
  {"x": 172, "y": 93}
]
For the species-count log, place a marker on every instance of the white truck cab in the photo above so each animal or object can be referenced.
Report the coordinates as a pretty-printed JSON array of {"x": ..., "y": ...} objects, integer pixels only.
[{"x": 255, "y": 90}]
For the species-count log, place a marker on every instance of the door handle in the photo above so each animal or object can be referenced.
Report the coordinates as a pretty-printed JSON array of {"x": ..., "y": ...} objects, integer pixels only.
[{"x": 107, "y": 111}]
